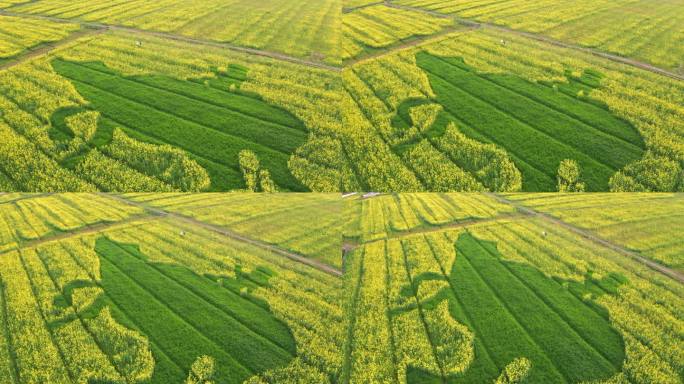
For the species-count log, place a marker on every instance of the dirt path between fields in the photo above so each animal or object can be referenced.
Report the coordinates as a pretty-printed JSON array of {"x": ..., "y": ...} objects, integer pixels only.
[
  {"x": 593, "y": 237},
  {"x": 186, "y": 39},
  {"x": 46, "y": 48},
  {"x": 234, "y": 235},
  {"x": 549, "y": 40},
  {"x": 85, "y": 230}
]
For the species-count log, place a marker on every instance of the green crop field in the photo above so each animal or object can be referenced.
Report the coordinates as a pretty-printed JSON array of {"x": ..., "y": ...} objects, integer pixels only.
[
  {"x": 249, "y": 288},
  {"x": 506, "y": 297},
  {"x": 323, "y": 96},
  {"x": 650, "y": 30},
  {"x": 146, "y": 297},
  {"x": 302, "y": 28}
]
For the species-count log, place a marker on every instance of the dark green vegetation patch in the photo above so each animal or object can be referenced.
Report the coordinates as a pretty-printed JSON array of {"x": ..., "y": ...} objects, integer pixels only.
[
  {"x": 538, "y": 124},
  {"x": 185, "y": 315},
  {"x": 211, "y": 119},
  {"x": 515, "y": 311}
]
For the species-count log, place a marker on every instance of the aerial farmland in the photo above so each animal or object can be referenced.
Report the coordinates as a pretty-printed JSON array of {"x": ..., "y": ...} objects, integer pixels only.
[
  {"x": 396, "y": 288},
  {"x": 318, "y": 95},
  {"x": 341, "y": 191}
]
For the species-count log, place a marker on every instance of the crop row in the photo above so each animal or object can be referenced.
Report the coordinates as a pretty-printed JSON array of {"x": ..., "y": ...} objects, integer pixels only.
[{"x": 382, "y": 216}]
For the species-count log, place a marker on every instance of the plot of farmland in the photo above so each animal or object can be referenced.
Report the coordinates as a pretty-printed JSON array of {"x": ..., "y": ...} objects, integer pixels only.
[
  {"x": 18, "y": 34},
  {"x": 369, "y": 28},
  {"x": 648, "y": 223},
  {"x": 309, "y": 224},
  {"x": 303, "y": 28},
  {"x": 157, "y": 299},
  {"x": 487, "y": 110},
  {"x": 509, "y": 296},
  {"x": 120, "y": 113},
  {"x": 648, "y": 30}
]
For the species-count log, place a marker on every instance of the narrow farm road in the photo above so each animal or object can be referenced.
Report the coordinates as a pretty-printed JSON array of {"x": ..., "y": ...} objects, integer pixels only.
[
  {"x": 549, "y": 40},
  {"x": 45, "y": 49},
  {"x": 233, "y": 235},
  {"x": 593, "y": 237},
  {"x": 186, "y": 39},
  {"x": 85, "y": 230}
]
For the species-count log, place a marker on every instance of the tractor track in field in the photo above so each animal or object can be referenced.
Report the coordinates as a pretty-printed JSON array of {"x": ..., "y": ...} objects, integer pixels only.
[
  {"x": 233, "y": 235},
  {"x": 47, "y": 48},
  {"x": 534, "y": 36},
  {"x": 182, "y": 38},
  {"x": 593, "y": 237}
]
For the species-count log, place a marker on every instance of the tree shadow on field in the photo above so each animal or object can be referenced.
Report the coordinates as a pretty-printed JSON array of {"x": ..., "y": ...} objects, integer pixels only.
[{"x": 515, "y": 311}]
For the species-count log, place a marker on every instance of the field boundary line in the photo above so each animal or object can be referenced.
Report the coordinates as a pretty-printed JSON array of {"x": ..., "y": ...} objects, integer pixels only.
[
  {"x": 549, "y": 40},
  {"x": 182, "y": 38},
  {"x": 593, "y": 237},
  {"x": 47, "y": 48},
  {"x": 413, "y": 43},
  {"x": 352, "y": 9},
  {"x": 234, "y": 235},
  {"x": 85, "y": 230},
  {"x": 350, "y": 245}
]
